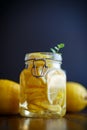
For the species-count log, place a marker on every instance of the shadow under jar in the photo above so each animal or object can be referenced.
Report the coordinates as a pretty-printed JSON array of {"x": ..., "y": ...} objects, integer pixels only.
[{"x": 43, "y": 86}]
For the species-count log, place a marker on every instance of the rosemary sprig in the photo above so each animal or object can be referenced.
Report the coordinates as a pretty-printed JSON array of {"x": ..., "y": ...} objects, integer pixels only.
[{"x": 57, "y": 48}]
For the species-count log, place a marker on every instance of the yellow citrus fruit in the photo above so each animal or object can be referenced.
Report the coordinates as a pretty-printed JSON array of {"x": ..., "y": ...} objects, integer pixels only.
[
  {"x": 9, "y": 97},
  {"x": 76, "y": 96},
  {"x": 56, "y": 83}
]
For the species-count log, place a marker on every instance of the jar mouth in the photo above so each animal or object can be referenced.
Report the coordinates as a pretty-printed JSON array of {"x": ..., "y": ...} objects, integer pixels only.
[{"x": 43, "y": 55}]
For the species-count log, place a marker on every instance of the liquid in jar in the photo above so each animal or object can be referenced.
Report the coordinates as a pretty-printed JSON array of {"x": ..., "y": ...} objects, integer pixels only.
[{"x": 43, "y": 86}]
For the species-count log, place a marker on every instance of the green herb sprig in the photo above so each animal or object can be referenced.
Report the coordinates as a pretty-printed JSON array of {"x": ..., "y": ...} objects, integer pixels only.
[{"x": 57, "y": 48}]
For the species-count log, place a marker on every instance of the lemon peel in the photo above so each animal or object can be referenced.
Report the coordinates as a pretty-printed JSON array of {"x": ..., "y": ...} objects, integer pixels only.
[
  {"x": 9, "y": 97},
  {"x": 76, "y": 96}
]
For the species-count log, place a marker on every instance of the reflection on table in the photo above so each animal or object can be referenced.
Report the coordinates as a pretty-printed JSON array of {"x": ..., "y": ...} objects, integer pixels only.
[{"x": 69, "y": 122}]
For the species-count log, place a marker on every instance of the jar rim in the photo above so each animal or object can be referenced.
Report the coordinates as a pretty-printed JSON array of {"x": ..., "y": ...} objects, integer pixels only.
[{"x": 43, "y": 55}]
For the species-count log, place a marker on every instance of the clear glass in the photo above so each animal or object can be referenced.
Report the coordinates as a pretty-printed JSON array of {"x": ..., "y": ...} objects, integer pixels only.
[{"x": 43, "y": 86}]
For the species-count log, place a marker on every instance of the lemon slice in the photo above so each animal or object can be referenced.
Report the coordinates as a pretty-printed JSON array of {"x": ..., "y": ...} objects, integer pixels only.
[
  {"x": 37, "y": 55},
  {"x": 55, "y": 81}
]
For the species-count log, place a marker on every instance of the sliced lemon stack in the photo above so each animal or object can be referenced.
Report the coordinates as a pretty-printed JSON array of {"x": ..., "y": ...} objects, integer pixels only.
[{"x": 47, "y": 92}]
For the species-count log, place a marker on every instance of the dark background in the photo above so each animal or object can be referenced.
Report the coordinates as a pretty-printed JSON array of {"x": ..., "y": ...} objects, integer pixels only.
[{"x": 39, "y": 25}]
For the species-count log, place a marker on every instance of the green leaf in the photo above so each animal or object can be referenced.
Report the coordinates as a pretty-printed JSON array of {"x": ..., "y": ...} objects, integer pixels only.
[
  {"x": 57, "y": 48},
  {"x": 61, "y": 45},
  {"x": 53, "y": 50}
]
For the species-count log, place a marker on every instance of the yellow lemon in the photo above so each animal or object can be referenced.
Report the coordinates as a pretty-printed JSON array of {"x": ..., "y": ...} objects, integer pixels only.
[
  {"x": 56, "y": 83},
  {"x": 9, "y": 97},
  {"x": 76, "y": 96}
]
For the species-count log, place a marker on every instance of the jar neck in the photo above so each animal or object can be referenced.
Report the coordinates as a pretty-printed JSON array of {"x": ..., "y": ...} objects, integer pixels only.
[
  {"x": 46, "y": 58},
  {"x": 41, "y": 62},
  {"x": 43, "y": 55},
  {"x": 45, "y": 62}
]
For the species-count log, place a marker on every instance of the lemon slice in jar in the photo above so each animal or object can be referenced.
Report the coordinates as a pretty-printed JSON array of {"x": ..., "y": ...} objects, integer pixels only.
[
  {"x": 56, "y": 82},
  {"x": 37, "y": 65},
  {"x": 35, "y": 86}
]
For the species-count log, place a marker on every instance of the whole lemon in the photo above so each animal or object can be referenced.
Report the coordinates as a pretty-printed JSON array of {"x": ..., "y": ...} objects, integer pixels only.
[
  {"x": 9, "y": 97},
  {"x": 76, "y": 96}
]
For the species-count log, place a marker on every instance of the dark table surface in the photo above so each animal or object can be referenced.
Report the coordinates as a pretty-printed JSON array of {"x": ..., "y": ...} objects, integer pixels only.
[{"x": 71, "y": 121}]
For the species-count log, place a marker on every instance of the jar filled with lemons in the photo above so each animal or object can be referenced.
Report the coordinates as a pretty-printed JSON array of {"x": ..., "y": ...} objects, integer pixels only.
[{"x": 43, "y": 86}]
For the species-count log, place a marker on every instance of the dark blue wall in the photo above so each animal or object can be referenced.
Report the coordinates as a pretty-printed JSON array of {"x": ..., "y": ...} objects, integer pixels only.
[{"x": 38, "y": 26}]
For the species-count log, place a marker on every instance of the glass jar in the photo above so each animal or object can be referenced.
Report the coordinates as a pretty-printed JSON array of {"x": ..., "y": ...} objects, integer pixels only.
[{"x": 43, "y": 86}]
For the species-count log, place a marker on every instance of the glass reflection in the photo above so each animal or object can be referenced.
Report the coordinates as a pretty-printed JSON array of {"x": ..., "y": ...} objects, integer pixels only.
[
  {"x": 43, "y": 124},
  {"x": 22, "y": 123}
]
